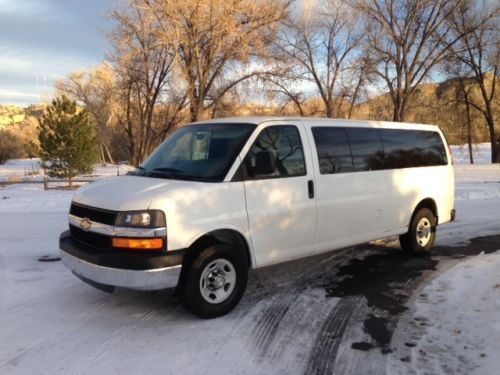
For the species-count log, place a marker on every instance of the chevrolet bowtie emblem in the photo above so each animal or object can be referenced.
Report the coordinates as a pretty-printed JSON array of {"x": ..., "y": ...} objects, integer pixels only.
[{"x": 85, "y": 224}]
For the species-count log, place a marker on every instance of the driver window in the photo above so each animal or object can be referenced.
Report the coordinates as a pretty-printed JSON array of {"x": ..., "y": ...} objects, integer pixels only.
[{"x": 279, "y": 150}]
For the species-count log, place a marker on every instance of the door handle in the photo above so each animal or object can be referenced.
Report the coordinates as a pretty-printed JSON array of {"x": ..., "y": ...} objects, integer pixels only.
[{"x": 310, "y": 188}]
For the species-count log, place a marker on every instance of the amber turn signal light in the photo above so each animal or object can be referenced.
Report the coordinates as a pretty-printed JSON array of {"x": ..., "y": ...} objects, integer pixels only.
[{"x": 138, "y": 243}]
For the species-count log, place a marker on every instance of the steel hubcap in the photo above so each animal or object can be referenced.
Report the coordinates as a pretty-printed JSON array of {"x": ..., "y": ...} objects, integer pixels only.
[
  {"x": 424, "y": 231},
  {"x": 217, "y": 281}
]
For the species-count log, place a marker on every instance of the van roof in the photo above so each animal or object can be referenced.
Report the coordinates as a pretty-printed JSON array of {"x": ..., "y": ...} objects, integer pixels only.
[{"x": 257, "y": 120}]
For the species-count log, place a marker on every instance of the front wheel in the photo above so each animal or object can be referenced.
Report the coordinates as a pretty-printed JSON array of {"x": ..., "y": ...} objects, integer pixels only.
[
  {"x": 421, "y": 234},
  {"x": 215, "y": 281}
]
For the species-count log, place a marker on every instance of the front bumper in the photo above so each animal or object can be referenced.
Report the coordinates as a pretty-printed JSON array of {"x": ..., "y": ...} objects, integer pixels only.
[{"x": 118, "y": 268}]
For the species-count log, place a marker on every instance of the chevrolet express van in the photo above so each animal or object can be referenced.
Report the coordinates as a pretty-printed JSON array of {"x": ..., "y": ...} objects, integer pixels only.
[{"x": 220, "y": 197}]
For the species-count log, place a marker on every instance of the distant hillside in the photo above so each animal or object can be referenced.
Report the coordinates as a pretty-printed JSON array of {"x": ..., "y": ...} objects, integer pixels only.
[
  {"x": 10, "y": 120},
  {"x": 6, "y": 110},
  {"x": 10, "y": 115}
]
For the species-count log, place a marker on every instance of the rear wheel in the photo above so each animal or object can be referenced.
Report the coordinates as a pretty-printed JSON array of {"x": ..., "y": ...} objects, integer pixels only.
[
  {"x": 421, "y": 234},
  {"x": 215, "y": 281}
]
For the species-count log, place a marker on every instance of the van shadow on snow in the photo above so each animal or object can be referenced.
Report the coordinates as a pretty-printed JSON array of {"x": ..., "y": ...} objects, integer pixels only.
[{"x": 386, "y": 279}]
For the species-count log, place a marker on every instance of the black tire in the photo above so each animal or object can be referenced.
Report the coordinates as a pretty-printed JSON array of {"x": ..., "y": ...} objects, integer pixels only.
[
  {"x": 419, "y": 240},
  {"x": 229, "y": 269}
]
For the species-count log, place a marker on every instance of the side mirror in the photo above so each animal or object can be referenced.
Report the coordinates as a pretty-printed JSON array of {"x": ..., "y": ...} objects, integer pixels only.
[{"x": 265, "y": 163}]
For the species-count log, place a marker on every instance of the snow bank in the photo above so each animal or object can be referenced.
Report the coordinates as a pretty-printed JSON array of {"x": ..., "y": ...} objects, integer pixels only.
[
  {"x": 481, "y": 153},
  {"x": 31, "y": 198},
  {"x": 19, "y": 169},
  {"x": 477, "y": 182},
  {"x": 30, "y": 170},
  {"x": 457, "y": 322},
  {"x": 33, "y": 163}
]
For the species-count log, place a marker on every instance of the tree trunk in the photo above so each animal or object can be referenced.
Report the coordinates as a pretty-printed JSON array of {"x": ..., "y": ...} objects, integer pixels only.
[
  {"x": 110, "y": 158},
  {"x": 103, "y": 159},
  {"x": 469, "y": 123},
  {"x": 495, "y": 151},
  {"x": 329, "y": 110},
  {"x": 194, "y": 112},
  {"x": 495, "y": 154},
  {"x": 355, "y": 94},
  {"x": 396, "y": 115}
]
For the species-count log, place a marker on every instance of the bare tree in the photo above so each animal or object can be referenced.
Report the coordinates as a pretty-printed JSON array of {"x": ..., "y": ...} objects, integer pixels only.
[
  {"x": 149, "y": 102},
  {"x": 95, "y": 90},
  {"x": 214, "y": 40},
  {"x": 320, "y": 45},
  {"x": 460, "y": 102},
  {"x": 478, "y": 51},
  {"x": 283, "y": 86},
  {"x": 356, "y": 82},
  {"x": 11, "y": 146},
  {"x": 406, "y": 40}
]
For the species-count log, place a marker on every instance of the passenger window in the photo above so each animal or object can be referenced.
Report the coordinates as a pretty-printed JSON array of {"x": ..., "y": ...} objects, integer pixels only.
[
  {"x": 412, "y": 148},
  {"x": 366, "y": 148},
  {"x": 431, "y": 148},
  {"x": 398, "y": 149},
  {"x": 334, "y": 153},
  {"x": 277, "y": 152}
]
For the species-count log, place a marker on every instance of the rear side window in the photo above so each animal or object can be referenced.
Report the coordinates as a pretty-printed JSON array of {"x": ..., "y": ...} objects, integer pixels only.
[
  {"x": 412, "y": 148},
  {"x": 334, "y": 153},
  {"x": 366, "y": 148},
  {"x": 348, "y": 149},
  {"x": 284, "y": 143}
]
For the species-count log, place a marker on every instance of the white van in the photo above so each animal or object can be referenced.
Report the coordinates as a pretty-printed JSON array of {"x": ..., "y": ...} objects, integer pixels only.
[{"x": 220, "y": 197}]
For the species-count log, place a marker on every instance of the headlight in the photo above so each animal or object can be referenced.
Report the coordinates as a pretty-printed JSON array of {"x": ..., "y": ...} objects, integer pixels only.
[{"x": 141, "y": 219}]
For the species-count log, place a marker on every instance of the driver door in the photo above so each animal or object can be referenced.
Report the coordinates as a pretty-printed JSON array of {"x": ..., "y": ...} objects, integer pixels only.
[{"x": 280, "y": 195}]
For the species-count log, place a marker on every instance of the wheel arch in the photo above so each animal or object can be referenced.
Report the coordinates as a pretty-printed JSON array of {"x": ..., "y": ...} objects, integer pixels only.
[
  {"x": 426, "y": 203},
  {"x": 224, "y": 235}
]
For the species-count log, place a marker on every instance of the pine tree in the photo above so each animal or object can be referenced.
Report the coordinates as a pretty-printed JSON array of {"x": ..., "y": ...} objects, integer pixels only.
[{"x": 67, "y": 140}]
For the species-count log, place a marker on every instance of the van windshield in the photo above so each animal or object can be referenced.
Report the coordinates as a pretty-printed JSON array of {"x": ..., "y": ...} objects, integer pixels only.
[{"x": 197, "y": 153}]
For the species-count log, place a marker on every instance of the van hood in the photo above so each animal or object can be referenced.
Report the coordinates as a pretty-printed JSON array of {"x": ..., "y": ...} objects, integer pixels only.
[{"x": 125, "y": 193}]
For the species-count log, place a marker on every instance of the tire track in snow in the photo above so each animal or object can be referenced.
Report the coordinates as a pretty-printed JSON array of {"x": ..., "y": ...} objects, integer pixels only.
[
  {"x": 96, "y": 310},
  {"x": 66, "y": 330},
  {"x": 324, "y": 352},
  {"x": 122, "y": 334},
  {"x": 269, "y": 322}
]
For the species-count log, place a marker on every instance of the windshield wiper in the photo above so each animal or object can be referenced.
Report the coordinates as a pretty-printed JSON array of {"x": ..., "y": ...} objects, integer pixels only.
[{"x": 168, "y": 170}]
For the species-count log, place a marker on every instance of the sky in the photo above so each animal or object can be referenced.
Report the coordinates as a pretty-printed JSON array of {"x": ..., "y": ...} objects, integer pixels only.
[{"x": 44, "y": 40}]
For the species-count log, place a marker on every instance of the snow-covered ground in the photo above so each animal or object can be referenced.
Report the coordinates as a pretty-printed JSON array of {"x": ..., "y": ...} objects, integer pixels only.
[
  {"x": 30, "y": 170},
  {"x": 52, "y": 323},
  {"x": 477, "y": 200},
  {"x": 481, "y": 153},
  {"x": 455, "y": 322},
  {"x": 18, "y": 169}
]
